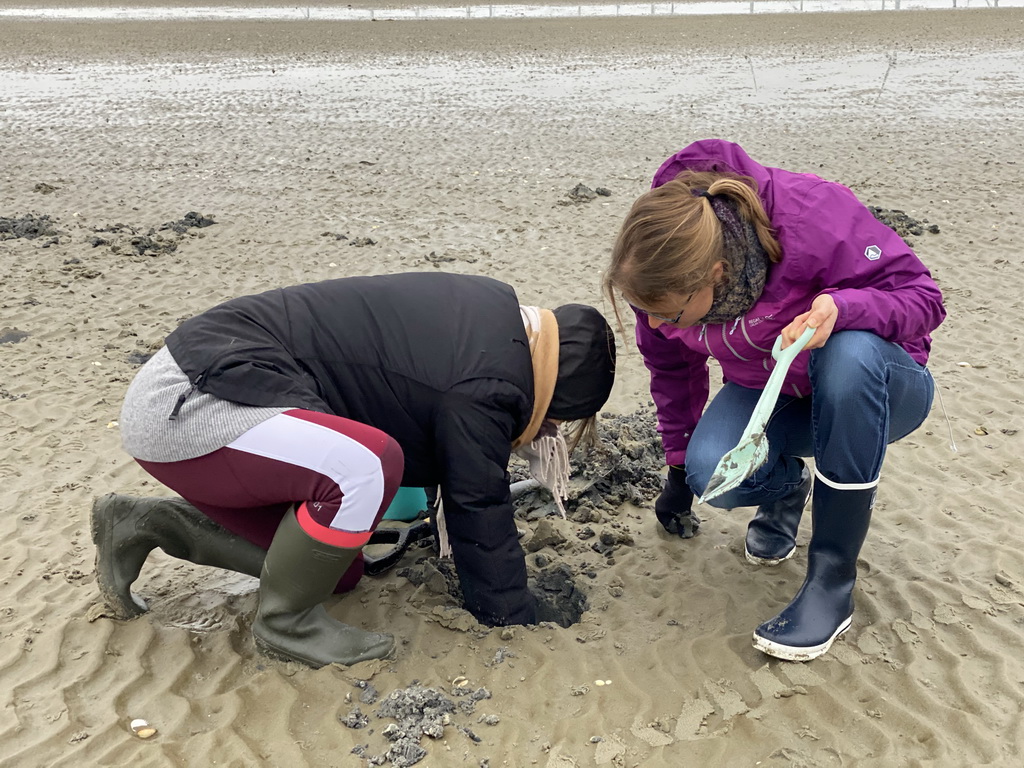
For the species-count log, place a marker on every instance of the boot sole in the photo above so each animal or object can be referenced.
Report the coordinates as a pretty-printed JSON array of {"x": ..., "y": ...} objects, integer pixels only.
[
  {"x": 102, "y": 528},
  {"x": 796, "y": 653},
  {"x": 276, "y": 653},
  {"x": 767, "y": 561}
]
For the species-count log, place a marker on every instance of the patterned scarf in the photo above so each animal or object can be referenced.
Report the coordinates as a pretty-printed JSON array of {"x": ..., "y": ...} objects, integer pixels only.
[{"x": 748, "y": 266}]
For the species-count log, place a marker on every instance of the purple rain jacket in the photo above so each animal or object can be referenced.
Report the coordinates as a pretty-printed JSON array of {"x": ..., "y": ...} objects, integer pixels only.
[{"x": 831, "y": 243}]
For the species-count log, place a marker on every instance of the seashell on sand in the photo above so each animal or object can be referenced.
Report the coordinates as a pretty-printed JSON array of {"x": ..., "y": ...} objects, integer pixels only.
[{"x": 142, "y": 728}]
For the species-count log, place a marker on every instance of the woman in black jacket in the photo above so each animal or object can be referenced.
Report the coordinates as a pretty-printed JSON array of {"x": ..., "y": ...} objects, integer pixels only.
[{"x": 288, "y": 420}]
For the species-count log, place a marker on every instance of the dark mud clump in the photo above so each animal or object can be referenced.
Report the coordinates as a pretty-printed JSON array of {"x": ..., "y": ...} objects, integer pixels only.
[
  {"x": 437, "y": 575},
  {"x": 143, "y": 352},
  {"x": 626, "y": 465},
  {"x": 142, "y": 242},
  {"x": 28, "y": 227},
  {"x": 12, "y": 335},
  {"x": 5, "y": 395},
  {"x": 417, "y": 712},
  {"x": 467, "y": 256},
  {"x": 581, "y": 193},
  {"x": 559, "y": 599},
  {"x": 126, "y": 239},
  {"x": 137, "y": 359},
  {"x": 358, "y": 242},
  {"x": 144, "y": 245},
  {"x": 903, "y": 225},
  {"x": 190, "y": 220}
]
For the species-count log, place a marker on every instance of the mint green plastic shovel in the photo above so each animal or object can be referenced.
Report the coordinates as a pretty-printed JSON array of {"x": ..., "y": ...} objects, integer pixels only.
[{"x": 752, "y": 449}]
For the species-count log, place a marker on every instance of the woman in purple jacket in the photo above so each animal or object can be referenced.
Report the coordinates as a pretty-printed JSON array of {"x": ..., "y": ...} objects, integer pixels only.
[{"x": 718, "y": 259}]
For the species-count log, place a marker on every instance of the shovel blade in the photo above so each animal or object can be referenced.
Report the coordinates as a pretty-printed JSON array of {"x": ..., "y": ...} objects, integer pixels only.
[
  {"x": 400, "y": 539},
  {"x": 736, "y": 466}
]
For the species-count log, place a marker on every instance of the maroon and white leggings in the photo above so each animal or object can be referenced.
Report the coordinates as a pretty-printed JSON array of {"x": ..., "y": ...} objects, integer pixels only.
[{"x": 341, "y": 474}]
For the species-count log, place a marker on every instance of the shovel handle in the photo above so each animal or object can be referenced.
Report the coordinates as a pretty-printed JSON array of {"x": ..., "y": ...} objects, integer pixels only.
[
  {"x": 787, "y": 355},
  {"x": 770, "y": 393}
]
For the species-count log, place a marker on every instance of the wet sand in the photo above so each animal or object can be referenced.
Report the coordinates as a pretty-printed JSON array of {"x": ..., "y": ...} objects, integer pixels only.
[{"x": 453, "y": 146}]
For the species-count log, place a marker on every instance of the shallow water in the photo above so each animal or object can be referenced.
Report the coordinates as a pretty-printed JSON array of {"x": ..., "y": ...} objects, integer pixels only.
[
  {"x": 516, "y": 11},
  {"x": 941, "y": 85}
]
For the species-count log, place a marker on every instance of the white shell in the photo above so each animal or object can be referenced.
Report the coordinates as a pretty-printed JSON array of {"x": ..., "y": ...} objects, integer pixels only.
[{"x": 142, "y": 728}]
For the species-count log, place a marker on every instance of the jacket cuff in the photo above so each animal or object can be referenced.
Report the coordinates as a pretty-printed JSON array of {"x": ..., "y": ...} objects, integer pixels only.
[{"x": 675, "y": 458}]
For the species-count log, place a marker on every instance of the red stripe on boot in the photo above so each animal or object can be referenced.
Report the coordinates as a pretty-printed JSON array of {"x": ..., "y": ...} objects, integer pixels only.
[{"x": 330, "y": 536}]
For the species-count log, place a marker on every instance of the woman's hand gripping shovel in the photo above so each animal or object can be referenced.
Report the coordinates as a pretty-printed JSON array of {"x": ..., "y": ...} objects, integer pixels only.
[{"x": 752, "y": 449}]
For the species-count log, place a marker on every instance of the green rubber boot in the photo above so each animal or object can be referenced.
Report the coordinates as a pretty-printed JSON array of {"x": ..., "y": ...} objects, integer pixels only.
[
  {"x": 125, "y": 529},
  {"x": 299, "y": 574}
]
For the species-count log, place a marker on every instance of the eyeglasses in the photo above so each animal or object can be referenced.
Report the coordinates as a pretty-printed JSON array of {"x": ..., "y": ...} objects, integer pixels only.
[{"x": 662, "y": 318}]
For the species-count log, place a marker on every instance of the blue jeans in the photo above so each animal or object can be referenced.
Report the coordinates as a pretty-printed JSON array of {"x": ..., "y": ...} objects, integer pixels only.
[{"x": 865, "y": 394}]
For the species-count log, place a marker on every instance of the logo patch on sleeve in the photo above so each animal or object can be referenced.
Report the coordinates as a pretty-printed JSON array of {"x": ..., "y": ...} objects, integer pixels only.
[{"x": 873, "y": 253}]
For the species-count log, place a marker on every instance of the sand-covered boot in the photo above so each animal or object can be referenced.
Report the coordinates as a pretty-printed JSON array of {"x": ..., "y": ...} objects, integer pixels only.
[
  {"x": 299, "y": 574},
  {"x": 823, "y": 608},
  {"x": 125, "y": 529},
  {"x": 771, "y": 535}
]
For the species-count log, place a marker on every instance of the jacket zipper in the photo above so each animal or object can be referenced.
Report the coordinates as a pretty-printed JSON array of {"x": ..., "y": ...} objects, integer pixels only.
[
  {"x": 750, "y": 341},
  {"x": 185, "y": 396},
  {"x": 707, "y": 339},
  {"x": 195, "y": 384},
  {"x": 728, "y": 345}
]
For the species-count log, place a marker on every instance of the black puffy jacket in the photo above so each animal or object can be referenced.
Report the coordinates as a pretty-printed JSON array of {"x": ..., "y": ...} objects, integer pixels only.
[{"x": 439, "y": 362}]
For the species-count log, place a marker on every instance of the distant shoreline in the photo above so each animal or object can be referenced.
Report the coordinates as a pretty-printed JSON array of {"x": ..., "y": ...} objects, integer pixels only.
[{"x": 433, "y": 11}]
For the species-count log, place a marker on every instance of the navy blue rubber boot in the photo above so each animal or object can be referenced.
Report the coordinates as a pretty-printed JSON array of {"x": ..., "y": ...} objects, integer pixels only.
[
  {"x": 771, "y": 534},
  {"x": 823, "y": 608}
]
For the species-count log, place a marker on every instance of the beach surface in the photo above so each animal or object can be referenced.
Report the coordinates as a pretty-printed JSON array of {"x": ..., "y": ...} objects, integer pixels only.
[{"x": 322, "y": 150}]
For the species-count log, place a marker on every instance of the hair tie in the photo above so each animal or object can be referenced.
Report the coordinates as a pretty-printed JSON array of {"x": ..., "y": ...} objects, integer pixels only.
[{"x": 705, "y": 193}]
